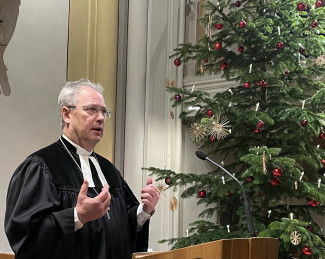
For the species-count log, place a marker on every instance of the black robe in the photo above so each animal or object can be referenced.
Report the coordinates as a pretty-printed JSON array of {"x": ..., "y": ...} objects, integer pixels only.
[{"x": 42, "y": 194}]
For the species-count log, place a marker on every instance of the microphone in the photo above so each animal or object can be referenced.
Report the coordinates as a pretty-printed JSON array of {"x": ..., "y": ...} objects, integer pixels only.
[{"x": 252, "y": 231}]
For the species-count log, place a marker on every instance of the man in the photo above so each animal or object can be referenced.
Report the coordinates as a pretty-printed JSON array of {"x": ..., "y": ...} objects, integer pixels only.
[{"x": 65, "y": 201}]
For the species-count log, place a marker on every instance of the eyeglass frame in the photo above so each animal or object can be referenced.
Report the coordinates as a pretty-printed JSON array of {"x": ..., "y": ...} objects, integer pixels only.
[{"x": 87, "y": 108}]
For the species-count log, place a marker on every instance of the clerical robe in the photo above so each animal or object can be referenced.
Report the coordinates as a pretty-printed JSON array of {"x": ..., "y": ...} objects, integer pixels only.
[{"x": 42, "y": 194}]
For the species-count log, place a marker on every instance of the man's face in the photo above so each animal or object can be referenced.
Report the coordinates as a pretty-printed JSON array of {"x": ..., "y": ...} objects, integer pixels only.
[{"x": 81, "y": 126}]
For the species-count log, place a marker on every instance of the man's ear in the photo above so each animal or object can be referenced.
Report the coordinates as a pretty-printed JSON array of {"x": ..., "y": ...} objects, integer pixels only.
[{"x": 66, "y": 114}]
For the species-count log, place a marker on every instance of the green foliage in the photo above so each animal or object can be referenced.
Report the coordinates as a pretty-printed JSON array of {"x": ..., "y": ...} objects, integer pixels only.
[
  {"x": 284, "y": 228},
  {"x": 275, "y": 121},
  {"x": 202, "y": 231}
]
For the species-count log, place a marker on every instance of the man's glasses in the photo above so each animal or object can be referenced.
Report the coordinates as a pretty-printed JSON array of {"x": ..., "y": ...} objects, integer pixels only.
[{"x": 94, "y": 109}]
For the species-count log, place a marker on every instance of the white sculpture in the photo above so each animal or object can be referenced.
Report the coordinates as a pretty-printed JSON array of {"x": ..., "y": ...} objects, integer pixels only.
[{"x": 9, "y": 10}]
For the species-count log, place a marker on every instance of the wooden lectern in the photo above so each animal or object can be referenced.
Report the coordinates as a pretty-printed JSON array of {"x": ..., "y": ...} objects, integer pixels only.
[{"x": 239, "y": 248}]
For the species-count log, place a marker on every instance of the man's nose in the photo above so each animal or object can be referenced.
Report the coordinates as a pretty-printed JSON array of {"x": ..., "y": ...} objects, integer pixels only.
[{"x": 100, "y": 116}]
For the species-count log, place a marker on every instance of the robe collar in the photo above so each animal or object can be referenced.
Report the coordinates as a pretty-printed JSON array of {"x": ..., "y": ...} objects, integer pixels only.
[{"x": 79, "y": 150}]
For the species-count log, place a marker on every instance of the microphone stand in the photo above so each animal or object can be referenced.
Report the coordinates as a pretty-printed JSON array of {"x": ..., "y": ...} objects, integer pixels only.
[{"x": 252, "y": 231}]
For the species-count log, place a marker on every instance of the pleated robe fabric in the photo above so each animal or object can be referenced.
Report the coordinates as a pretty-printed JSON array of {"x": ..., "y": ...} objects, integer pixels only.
[{"x": 39, "y": 221}]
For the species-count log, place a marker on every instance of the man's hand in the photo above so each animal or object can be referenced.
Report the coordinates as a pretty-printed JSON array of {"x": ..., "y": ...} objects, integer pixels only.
[
  {"x": 89, "y": 209},
  {"x": 149, "y": 196}
]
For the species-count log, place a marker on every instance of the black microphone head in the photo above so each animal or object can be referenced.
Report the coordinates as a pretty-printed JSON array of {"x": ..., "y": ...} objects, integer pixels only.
[{"x": 200, "y": 154}]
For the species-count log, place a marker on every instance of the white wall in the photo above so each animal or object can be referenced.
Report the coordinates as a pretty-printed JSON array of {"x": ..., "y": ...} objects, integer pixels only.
[
  {"x": 35, "y": 58},
  {"x": 160, "y": 27},
  {"x": 157, "y": 28}
]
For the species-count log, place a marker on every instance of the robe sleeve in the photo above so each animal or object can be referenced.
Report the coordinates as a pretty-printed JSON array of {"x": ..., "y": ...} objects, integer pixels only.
[
  {"x": 35, "y": 224},
  {"x": 139, "y": 239}
]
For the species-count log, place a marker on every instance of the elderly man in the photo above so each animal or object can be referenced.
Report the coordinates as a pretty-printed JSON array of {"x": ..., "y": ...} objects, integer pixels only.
[{"x": 66, "y": 201}]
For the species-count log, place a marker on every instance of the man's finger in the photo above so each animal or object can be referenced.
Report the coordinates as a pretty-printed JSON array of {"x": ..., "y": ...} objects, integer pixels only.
[
  {"x": 84, "y": 188},
  {"x": 105, "y": 188},
  {"x": 149, "y": 180}
]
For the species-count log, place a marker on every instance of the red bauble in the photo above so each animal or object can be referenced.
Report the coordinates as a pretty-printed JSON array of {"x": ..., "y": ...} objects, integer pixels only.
[
  {"x": 224, "y": 65},
  {"x": 167, "y": 181},
  {"x": 238, "y": 3},
  {"x": 323, "y": 162},
  {"x": 314, "y": 24},
  {"x": 257, "y": 130},
  {"x": 280, "y": 45},
  {"x": 304, "y": 123},
  {"x": 247, "y": 85},
  {"x": 212, "y": 139},
  {"x": 277, "y": 171},
  {"x": 287, "y": 72},
  {"x": 310, "y": 228},
  {"x": 321, "y": 135},
  {"x": 205, "y": 60},
  {"x": 228, "y": 194},
  {"x": 301, "y": 6},
  {"x": 210, "y": 113},
  {"x": 250, "y": 179},
  {"x": 177, "y": 62},
  {"x": 217, "y": 46},
  {"x": 302, "y": 50},
  {"x": 178, "y": 97},
  {"x": 318, "y": 4},
  {"x": 241, "y": 49},
  {"x": 202, "y": 194},
  {"x": 275, "y": 181},
  {"x": 306, "y": 250},
  {"x": 242, "y": 24},
  {"x": 218, "y": 26},
  {"x": 262, "y": 83},
  {"x": 260, "y": 124},
  {"x": 313, "y": 203}
]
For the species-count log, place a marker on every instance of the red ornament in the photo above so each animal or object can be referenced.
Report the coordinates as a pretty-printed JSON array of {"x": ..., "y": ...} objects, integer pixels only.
[
  {"x": 217, "y": 46},
  {"x": 212, "y": 139},
  {"x": 257, "y": 130},
  {"x": 241, "y": 49},
  {"x": 318, "y": 4},
  {"x": 321, "y": 135},
  {"x": 277, "y": 171},
  {"x": 287, "y": 72},
  {"x": 178, "y": 97},
  {"x": 302, "y": 50},
  {"x": 238, "y": 3},
  {"x": 307, "y": 250},
  {"x": 218, "y": 26},
  {"x": 250, "y": 179},
  {"x": 323, "y": 162},
  {"x": 314, "y": 24},
  {"x": 224, "y": 65},
  {"x": 167, "y": 181},
  {"x": 301, "y": 6},
  {"x": 260, "y": 124},
  {"x": 247, "y": 85},
  {"x": 205, "y": 60},
  {"x": 275, "y": 181},
  {"x": 262, "y": 83},
  {"x": 210, "y": 113},
  {"x": 280, "y": 45},
  {"x": 242, "y": 24},
  {"x": 177, "y": 62},
  {"x": 228, "y": 194},
  {"x": 304, "y": 123},
  {"x": 310, "y": 228},
  {"x": 202, "y": 194},
  {"x": 313, "y": 203}
]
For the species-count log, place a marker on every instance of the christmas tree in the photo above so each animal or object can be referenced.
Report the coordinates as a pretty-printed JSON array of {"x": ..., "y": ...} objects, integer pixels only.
[{"x": 272, "y": 124}]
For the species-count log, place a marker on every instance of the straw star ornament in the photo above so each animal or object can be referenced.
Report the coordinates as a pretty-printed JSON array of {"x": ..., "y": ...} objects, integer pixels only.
[{"x": 219, "y": 129}]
